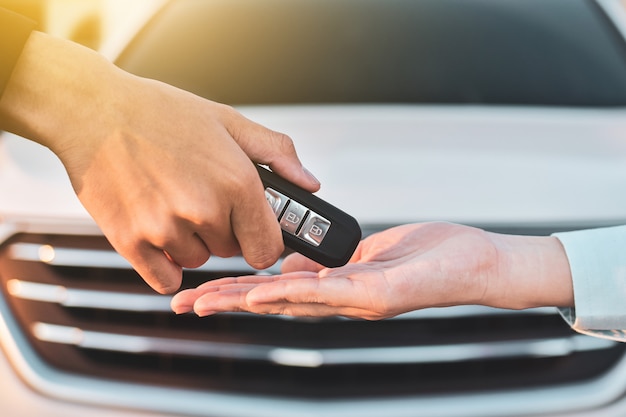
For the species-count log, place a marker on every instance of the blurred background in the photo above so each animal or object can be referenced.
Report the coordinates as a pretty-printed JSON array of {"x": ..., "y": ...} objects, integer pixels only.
[{"x": 88, "y": 22}]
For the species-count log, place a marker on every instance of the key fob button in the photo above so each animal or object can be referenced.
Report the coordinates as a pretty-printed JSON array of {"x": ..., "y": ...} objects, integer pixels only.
[
  {"x": 314, "y": 229},
  {"x": 276, "y": 200},
  {"x": 293, "y": 216}
]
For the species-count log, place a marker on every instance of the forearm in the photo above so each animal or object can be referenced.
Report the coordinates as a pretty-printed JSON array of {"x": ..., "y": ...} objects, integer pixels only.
[{"x": 56, "y": 91}]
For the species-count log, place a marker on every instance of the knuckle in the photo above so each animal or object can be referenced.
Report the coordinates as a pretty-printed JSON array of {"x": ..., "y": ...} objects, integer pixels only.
[
  {"x": 283, "y": 142},
  {"x": 160, "y": 236},
  {"x": 236, "y": 186},
  {"x": 227, "y": 110},
  {"x": 200, "y": 215}
]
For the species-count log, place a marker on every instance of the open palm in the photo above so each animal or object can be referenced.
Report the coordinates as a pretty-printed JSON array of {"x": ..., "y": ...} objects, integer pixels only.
[{"x": 398, "y": 270}]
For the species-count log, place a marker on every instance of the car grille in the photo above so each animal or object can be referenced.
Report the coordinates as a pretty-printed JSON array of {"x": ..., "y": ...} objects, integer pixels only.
[{"x": 86, "y": 312}]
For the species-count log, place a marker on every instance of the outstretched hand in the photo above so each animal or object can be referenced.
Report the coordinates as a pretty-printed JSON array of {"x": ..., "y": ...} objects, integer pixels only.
[{"x": 401, "y": 269}]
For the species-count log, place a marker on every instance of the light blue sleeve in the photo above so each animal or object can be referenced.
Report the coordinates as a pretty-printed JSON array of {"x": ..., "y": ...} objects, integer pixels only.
[{"x": 597, "y": 259}]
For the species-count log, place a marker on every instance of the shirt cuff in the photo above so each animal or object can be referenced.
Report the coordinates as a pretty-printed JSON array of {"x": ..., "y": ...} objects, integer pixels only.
[{"x": 597, "y": 259}]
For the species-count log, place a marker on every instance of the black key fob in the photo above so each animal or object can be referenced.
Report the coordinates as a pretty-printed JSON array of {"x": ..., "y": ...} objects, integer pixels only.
[{"x": 310, "y": 225}]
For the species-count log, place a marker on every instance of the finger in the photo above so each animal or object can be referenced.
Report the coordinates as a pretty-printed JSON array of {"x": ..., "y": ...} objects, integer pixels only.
[
  {"x": 272, "y": 148},
  {"x": 256, "y": 229},
  {"x": 336, "y": 291},
  {"x": 311, "y": 310},
  {"x": 293, "y": 171},
  {"x": 349, "y": 291},
  {"x": 232, "y": 300},
  {"x": 184, "y": 301},
  {"x": 219, "y": 240},
  {"x": 190, "y": 252},
  {"x": 151, "y": 263}
]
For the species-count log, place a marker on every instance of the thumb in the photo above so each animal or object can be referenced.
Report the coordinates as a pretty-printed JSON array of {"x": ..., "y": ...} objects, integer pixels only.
[{"x": 268, "y": 147}]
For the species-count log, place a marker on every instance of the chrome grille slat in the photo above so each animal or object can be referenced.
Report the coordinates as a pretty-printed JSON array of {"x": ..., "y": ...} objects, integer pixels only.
[
  {"x": 99, "y": 258},
  {"x": 79, "y": 298},
  {"x": 139, "y": 344},
  {"x": 316, "y": 357}
]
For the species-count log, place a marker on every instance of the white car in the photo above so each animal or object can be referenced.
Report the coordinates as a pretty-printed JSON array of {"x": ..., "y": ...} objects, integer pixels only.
[{"x": 505, "y": 114}]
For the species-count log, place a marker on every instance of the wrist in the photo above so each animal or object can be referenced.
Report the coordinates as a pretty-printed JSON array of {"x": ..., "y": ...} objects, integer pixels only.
[{"x": 532, "y": 271}]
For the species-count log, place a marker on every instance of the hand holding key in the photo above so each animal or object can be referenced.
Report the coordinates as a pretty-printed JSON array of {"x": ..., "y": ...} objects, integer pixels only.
[{"x": 166, "y": 174}]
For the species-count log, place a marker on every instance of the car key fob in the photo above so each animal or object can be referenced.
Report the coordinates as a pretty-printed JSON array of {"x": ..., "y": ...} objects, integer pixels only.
[{"x": 310, "y": 225}]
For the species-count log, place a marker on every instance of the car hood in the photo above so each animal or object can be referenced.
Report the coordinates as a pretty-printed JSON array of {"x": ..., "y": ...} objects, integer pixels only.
[{"x": 396, "y": 164}]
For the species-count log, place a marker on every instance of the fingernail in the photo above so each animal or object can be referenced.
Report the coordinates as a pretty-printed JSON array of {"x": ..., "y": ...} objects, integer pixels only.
[
  {"x": 205, "y": 313},
  {"x": 311, "y": 176},
  {"x": 182, "y": 309}
]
